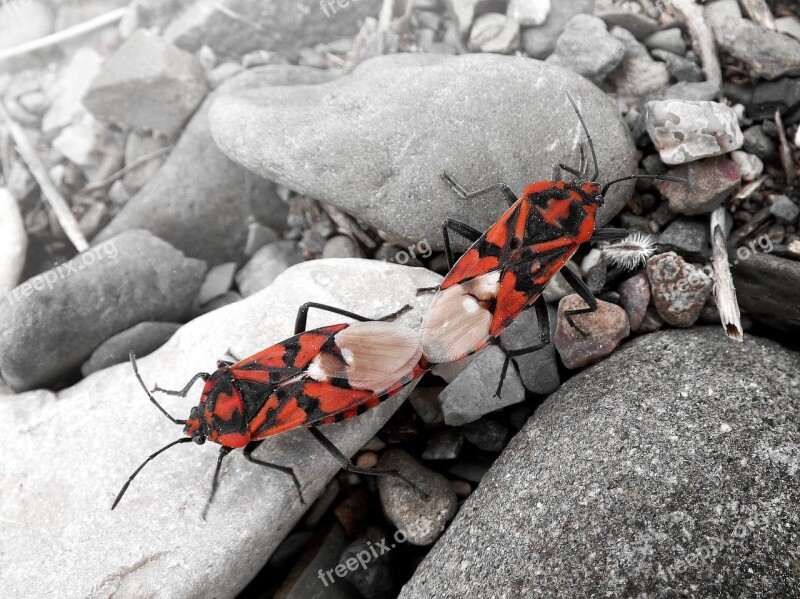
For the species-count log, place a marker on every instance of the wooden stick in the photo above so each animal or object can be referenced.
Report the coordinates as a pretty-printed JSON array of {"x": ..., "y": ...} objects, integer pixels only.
[
  {"x": 759, "y": 12},
  {"x": 58, "y": 37},
  {"x": 90, "y": 187},
  {"x": 39, "y": 171},
  {"x": 786, "y": 153},
  {"x": 691, "y": 15},
  {"x": 724, "y": 290}
]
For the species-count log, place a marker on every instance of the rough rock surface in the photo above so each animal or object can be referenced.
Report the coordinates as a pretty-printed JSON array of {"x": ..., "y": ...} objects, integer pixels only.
[
  {"x": 684, "y": 131},
  {"x": 471, "y": 394},
  {"x": 768, "y": 287},
  {"x": 199, "y": 200},
  {"x": 710, "y": 182},
  {"x": 233, "y": 28},
  {"x": 149, "y": 84},
  {"x": 362, "y": 144},
  {"x": 767, "y": 54},
  {"x": 680, "y": 289},
  {"x": 54, "y": 321},
  {"x": 56, "y": 493},
  {"x": 642, "y": 476},
  {"x": 587, "y": 48},
  {"x": 605, "y": 329},
  {"x": 423, "y": 520}
]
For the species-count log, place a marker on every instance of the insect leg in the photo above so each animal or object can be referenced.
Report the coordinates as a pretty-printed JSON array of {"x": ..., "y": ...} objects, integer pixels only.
[
  {"x": 183, "y": 392},
  {"x": 509, "y": 195},
  {"x": 581, "y": 289},
  {"x": 223, "y": 451},
  {"x": 544, "y": 340},
  {"x": 350, "y": 467},
  {"x": 609, "y": 234},
  {"x": 302, "y": 314},
  {"x": 248, "y": 451},
  {"x": 570, "y": 170},
  {"x": 469, "y": 233}
]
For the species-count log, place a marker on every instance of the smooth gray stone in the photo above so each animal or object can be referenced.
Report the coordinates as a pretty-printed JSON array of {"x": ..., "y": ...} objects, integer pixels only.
[
  {"x": 141, "y": 339},
  {"x": 364, "y": 144},
  {"x": 642, "y": 476},
  {"x": 53, "y": 322},
  {"x": 72, "y": 451},
  {"x": 199, "y": 200},
  {"x": 768, "y": 287},
  {"x": 539, "y": 42},
  {"x": 767, "y": 54}
]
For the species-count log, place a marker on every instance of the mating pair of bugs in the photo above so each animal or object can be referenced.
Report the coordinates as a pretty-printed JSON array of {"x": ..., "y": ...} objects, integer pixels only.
[{"x": 337, "y": 372}]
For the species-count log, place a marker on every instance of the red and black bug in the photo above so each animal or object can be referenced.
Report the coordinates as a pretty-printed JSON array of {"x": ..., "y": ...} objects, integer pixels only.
[
  {"x": 506, "y": 268},
  {"x": 315, "y": 378}
]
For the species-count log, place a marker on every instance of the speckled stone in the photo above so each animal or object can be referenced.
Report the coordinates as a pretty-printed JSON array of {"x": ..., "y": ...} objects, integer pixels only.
[
  {"x": 642, "y": 476},
  {"x": 684, "y": 130},
  {"x": 680, "y": 289}
]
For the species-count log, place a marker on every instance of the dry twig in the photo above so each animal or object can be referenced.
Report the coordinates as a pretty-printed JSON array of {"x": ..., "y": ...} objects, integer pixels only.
[
  {"x": 724, "y": 290},
  {"x": 786, "y": 152},
  {"x": 39, "y": 171},
  {"x": 759, "y": 12},
  {"x": 90, "y": 187},
  {"x": 691, "y": 15},
  {"x": 58, "y": 37}
]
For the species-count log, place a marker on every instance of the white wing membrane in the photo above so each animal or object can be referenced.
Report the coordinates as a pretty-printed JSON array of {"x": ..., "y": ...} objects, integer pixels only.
[
  {"x": 376, "y": 355},
  {"x": 458, "y": 320}
]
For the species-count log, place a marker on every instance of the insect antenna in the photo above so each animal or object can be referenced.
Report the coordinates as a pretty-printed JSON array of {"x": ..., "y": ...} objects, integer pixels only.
[
  {"x": 588, "y": 136},
  {"x": 132, "y": 476},
  {"x": 629, "y": 177},
  {"x": 153, "y": 399}
]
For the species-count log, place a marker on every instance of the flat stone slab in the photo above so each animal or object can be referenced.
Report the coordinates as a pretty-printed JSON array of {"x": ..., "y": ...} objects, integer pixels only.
[
  {"x": 375, "y": 142},
  {"x": 73, "y": 450},
  {"x": 668, "y": 470}
]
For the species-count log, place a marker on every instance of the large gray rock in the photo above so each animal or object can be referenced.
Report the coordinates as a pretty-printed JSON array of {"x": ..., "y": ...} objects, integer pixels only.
[
  {"x": 54, "y": 321},
  {"x": 671, "y": 469},
  {"x": 766, "y": 54},
  {"x": 375, "y": 142},
  {"x": 768, "y": 287},
  {"x": 149, "y": 84},
  {"x": 199, "y": 200},
  {"x": 233, "y": 28},
  {"x": 73, "y": 451}
]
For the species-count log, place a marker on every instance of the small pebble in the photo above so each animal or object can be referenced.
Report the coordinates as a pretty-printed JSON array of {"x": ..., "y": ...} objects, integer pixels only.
[
  {"x": 680, "y": 290},
  {"x": 784, "y": 209},
  {"x": 684, "y": 131},
  {"x": 670, "y": 40},
  {"x": 425, "y": 402},
  {"x": 444, "y": 445},
  {"x": 367, "y": 459},
  {"x": 529, "y": 13},
  {"x": 605, "y": 329},
  {"x": 422, "y": 520},
  {"x": 495, "y": 33},
  {"x": 634, "y": 299},
  {"x": 710, "y": 182},
  {"x": 486, "y": 435},
  {"x": 265, "y": 265},
  {"x": 750, "y": 165},
  {"x": 588, "y": 48}
]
